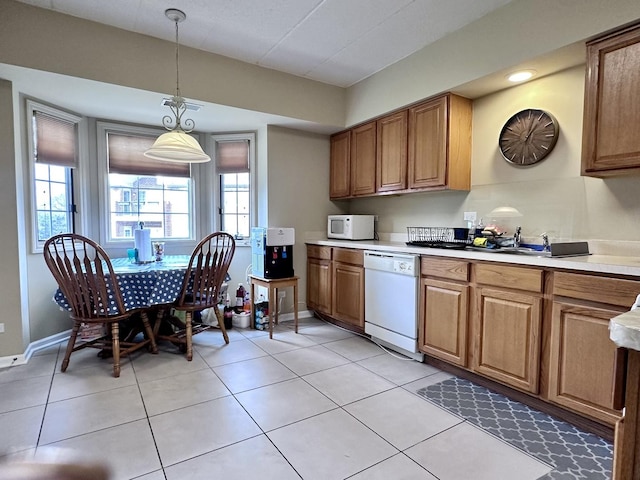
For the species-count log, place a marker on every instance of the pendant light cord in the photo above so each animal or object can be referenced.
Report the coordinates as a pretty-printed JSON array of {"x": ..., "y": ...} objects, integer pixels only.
[{"x": 177, "y": 62}]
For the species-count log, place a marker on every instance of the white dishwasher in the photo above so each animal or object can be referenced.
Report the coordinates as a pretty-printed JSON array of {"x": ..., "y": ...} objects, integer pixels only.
[{"x": 391, "y": 300}]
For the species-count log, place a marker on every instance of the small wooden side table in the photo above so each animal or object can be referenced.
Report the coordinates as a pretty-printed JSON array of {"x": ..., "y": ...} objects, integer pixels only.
[{"x": 273, "y": 284}]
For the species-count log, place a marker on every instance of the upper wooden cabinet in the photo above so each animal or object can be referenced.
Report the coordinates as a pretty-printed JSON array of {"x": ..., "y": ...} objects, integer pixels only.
[
  {"x": 420, "y": 148},
  {"x": 391, "y": 159},
  {"x": 439, "y": 144},
  {"x": 363, "y": 160},
  {"x": 353, "y": 162},
  {"x": 340, "y": 166},
  {"x": 610, "y": 141}
]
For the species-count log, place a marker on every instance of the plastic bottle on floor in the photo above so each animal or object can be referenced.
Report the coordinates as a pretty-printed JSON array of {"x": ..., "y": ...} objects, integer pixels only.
[{"x": 240, "y": 292}]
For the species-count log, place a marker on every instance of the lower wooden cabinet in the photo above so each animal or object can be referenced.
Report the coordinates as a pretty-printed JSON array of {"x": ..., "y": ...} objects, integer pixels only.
[
  {"x": 586, "y": 369},
  {"x": 507, "y": 327},
  {"x": 335, "y": 283},
  {"x": 348, "y": 298},
  {"x": 585, "y": 365},
  {"x": 541, "y": 331},
  {"x": 319, "y": 278},
  {"x": 444, "y": 309},
  {"x": 507, "y": 324},
  {"x": 443, "y": 332}
]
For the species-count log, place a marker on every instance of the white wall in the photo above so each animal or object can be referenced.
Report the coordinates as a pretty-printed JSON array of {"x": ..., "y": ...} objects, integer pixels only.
[
  {"x": 509, "y": 36},
  {"x": 298, "y": 191},
  {"x": 551, "y": 195}
]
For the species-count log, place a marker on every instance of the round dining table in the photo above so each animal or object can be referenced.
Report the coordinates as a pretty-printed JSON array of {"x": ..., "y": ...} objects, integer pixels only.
[{"x": 144, "y": 284}]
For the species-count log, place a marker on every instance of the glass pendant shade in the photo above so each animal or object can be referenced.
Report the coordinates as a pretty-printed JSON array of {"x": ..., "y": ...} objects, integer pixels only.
[{"x": 177, "y": 146}]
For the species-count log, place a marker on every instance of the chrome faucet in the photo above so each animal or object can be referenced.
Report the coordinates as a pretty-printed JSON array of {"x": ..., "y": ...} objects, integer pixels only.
[
  {"x": 546, "y": 247},
  {"x": 517, "y": 237}
]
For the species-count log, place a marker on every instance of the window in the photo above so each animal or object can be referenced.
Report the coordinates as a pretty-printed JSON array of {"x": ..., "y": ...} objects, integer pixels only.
[
  {"x": 53, "y": 155},
  {"x": 233, "y": 156},
  {"x": 140, "y": 189}
]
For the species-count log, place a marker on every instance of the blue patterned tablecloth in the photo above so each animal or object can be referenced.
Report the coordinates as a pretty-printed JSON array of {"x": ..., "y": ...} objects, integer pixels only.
[{"x": 146, "y": 284}]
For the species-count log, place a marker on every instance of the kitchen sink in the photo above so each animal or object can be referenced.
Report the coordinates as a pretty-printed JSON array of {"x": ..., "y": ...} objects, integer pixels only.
[
  {"x": 562, "y": 249},
  {"x": 532, "y": 252}
]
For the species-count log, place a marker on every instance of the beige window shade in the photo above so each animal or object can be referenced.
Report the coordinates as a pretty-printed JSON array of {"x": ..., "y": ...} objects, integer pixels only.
[
  {"x": 56, "y": 142},
  {"x": 126, "y": 156},
  {"x": 232, "y": 156}
]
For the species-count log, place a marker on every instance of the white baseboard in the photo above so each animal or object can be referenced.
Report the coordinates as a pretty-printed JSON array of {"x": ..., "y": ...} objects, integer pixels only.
[
  {"x": 289, "y": 317},
  {"x": 33, "y": 347}
]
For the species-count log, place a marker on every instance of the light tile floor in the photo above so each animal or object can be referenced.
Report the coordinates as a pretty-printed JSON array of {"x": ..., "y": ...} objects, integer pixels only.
[{"x": 321, "y": 404}]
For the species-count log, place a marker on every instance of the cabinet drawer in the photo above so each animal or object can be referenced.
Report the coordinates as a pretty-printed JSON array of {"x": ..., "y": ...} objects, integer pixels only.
[
  {"x": 444, "y": 268},
  {"x": 348, "y": 255},
  {"x": 500, "y": 275},
  {"x": 316, "y": 251},
  {"x": 610, "y": 291}
]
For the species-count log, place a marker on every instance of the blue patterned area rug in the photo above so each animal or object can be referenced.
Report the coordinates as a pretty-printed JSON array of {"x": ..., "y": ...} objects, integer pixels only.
[{"x": 574, "y": 454}]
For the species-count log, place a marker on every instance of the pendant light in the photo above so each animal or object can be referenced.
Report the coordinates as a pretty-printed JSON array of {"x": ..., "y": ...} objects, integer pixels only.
[{"x": 177, "y": 145}]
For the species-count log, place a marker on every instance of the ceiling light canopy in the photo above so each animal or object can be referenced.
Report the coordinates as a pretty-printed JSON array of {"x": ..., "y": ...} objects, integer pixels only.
[
  {"x": 521, "y": 75},
  {"x": 177, "y": 145}
]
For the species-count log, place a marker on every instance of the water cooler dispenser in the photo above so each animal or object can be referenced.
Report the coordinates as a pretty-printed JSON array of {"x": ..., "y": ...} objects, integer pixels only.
[{"x": 272, "y": 252}]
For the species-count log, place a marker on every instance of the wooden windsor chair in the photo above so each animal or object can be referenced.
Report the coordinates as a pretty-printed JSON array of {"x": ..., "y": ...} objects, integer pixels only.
[
  {"x": 85, "y": 276},
  {"x": 201, "y": 287}
]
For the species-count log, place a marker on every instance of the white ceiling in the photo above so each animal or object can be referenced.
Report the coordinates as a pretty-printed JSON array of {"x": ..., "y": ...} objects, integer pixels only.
[{"x": 339, "y": 42}]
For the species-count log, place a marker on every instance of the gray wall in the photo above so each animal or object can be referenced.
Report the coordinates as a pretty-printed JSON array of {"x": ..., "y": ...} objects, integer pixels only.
[
  {"x": 293, "y": 166},
  {"x": 12, "y": 258}
]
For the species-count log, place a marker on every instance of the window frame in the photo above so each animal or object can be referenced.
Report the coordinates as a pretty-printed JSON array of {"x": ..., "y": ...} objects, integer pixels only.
[
  {"x": 102, "y": 128},
  {"x": 214, "y": 181},
  {"x": 76, "y": 178}
]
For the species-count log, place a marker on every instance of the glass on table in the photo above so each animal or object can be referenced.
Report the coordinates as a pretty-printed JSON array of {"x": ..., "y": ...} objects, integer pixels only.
[
  {"x": 132, "y": 255},
  {"x": 158, "y": 250}
]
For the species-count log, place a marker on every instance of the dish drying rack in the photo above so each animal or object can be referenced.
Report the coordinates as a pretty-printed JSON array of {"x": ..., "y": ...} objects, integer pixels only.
[{"x": 438, "y": 237}]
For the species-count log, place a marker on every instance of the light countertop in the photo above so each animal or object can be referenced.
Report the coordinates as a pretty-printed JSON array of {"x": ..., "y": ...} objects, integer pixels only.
[{"x": 607, "y": 264}]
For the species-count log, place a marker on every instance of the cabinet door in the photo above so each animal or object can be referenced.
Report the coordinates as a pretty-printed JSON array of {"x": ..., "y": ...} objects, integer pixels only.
[
  {"x": 391, "y": 160},
  {"x": 507, "y": 337},
  {"x": 339, "y": 166},
  {"x": 427, "y": 156},
  {"x": 584, "y": 364},
  {"x": 348, "y": 297},
  {"x": 444, "y": 313},
  {"x": 611, "y": 144},
  {"x": 319, "y": 285},
  {"x": 363, "y": 160}
]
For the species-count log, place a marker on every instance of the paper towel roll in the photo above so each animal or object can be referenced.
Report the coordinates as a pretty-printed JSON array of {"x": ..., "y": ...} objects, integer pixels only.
[{"x": 142, "y": 241}]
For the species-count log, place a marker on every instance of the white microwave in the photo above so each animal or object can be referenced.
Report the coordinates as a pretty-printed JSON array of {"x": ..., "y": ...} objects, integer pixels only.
[{"x": 351, "y": 227}]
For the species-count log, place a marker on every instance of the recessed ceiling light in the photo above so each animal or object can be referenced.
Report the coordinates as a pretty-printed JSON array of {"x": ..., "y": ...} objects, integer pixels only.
[{"x": 521, "y": 75}]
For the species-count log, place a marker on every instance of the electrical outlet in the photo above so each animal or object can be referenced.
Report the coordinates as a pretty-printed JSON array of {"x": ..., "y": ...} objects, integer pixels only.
[
  {"x": 281, "y": 295},
  {"x": 1, "y": 327},
  {"x": 470, "y": 216}
]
